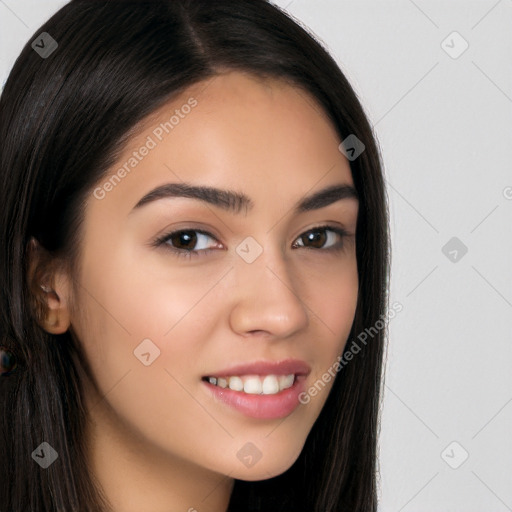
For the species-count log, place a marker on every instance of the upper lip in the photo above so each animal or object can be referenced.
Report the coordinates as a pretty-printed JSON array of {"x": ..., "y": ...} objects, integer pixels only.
[{"x": 285, "y": 367}]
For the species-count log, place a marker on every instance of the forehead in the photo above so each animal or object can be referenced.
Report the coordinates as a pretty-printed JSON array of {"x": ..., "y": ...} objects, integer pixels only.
[{"x": 262, "y": 136}]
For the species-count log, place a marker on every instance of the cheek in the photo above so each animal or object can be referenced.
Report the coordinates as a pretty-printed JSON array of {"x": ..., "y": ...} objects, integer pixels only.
[
  {"x": 144, "y": 298},
  {"x": 166, "y": 318},
  {"x": 149, "y": 320},
  {"x": 332, "y": 294},
  {"x": 333, "y": 302},
  {"x": 126, "y": 312}
]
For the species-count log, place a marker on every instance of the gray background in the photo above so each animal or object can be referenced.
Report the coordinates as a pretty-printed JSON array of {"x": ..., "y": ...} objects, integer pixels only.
[{"x": 444, "y": 126}]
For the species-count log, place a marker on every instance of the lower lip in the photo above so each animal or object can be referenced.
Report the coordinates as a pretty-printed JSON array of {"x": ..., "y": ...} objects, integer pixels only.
[{"x": 275, "y": 406}]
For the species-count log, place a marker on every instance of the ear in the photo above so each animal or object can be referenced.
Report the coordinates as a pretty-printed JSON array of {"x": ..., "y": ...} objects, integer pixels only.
[{"x": 50, "y": 288}]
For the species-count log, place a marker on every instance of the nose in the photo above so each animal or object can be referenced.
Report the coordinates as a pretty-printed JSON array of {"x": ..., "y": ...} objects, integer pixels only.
[{"x": 266, "y": 298}]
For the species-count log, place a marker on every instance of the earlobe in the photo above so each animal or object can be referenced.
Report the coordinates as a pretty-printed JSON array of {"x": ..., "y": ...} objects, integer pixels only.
[
  {"x": 49, "y": 290},
  {"x": 56, "y": 319}
]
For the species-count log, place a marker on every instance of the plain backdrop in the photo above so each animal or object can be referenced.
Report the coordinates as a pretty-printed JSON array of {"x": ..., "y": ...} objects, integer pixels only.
[{"x": 435, "y": 78}]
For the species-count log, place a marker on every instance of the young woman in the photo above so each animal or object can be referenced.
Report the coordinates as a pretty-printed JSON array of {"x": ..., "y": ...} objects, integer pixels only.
[{"x": 194, "y": 260}]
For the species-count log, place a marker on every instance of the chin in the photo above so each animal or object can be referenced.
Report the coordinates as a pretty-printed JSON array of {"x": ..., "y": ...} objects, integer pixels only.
[{"x": 266, "y": 468}]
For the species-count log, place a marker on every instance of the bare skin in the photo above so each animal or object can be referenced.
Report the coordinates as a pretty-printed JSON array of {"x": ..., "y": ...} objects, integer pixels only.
[{"x": 159, "y": 440}]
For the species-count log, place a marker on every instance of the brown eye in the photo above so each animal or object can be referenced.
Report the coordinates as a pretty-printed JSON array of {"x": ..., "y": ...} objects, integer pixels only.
[
  {"x": 184, "y": 242},
  {"x": 323, "y": 237},
  {"x": 316, "y": 238},
  {"x": 183, "y": 239}
]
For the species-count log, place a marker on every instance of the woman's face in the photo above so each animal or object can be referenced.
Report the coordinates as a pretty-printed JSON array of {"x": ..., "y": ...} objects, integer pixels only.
[{"x": 254, "y": 286}]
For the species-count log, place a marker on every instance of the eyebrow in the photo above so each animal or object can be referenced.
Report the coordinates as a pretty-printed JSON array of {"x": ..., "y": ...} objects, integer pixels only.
[{"x": 233, "y": 201}]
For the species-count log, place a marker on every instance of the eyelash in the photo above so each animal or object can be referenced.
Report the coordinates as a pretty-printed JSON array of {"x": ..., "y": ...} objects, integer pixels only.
[{"x": 162, "y": 241}]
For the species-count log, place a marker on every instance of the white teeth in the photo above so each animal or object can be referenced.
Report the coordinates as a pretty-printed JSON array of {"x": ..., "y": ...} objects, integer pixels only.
[
  {"x": 270, "y": 385},
  {"x": 285, "y": 381},
  {"x": 255, "y": 384},
  {"x": 252, "y": 385},
  {"x": 236, "y": 384}
]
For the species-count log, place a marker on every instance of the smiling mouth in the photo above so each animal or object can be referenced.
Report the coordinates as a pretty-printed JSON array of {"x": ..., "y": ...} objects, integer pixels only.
[{"x": 254, "y": 384}]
